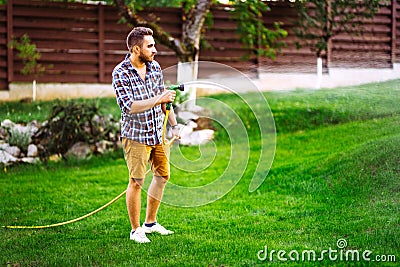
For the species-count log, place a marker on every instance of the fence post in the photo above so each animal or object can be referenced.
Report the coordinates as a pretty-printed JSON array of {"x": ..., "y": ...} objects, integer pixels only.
[
  {"x": 329, "y": 43},
  {"x": 101, "y": 42},
  {"x": 394, "y": 29},
  {"x": 10, "y": 56}
]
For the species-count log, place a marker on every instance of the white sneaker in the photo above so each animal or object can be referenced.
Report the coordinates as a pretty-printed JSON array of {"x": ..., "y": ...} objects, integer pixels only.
[
  {"x": 139, "y": 235},
  {"x": 157, "y": 228}
]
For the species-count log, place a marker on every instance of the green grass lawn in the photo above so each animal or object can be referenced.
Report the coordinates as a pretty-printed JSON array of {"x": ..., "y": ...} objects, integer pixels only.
[{"x": 335, "y": 175}]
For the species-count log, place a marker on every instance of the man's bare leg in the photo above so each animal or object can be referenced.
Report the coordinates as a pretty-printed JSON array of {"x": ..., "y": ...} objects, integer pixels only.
[
  {"x": 154, "y": 197},
  {"x": 133, "y": 201}
]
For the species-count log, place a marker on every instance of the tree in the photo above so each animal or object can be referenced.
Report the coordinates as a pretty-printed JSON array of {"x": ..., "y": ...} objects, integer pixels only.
[
  {"x": 30, "y": 56},
  {"x": 195, "y": 11},
  {"x": 255, "y": 36}
]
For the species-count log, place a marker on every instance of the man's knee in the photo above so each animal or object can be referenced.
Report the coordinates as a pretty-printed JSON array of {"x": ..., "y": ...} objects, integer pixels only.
[
  {"x": 161, "y": 179},
  {"x": 136, "y": 183}
]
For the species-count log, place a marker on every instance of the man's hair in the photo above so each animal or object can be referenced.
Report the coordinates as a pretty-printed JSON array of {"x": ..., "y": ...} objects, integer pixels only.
[{"x": 136, "y": 36}]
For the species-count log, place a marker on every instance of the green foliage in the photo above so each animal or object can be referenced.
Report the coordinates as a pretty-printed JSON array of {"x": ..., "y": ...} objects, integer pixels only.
[
  {"x": 141, "y": 4},
  {"x": 29, "y": 55},
  {"x": 73, "y": 122},
  {"x": 254, "y": 34},
  {"x": 21, "y": 139},
  {"x": 320, "y": 20}
]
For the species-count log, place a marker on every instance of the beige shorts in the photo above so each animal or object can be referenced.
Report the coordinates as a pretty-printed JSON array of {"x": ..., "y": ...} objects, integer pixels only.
[{"x": 138, "y": 155}]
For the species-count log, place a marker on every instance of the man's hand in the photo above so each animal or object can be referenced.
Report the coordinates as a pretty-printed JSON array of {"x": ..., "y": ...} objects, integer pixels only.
[
  {"x": 176, "y": 132},
  {"x": 167, "y": 96}
]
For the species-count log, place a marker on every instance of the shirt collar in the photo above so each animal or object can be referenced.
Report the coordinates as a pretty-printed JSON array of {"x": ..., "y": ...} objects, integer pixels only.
[{"x": 129, "y": 64}]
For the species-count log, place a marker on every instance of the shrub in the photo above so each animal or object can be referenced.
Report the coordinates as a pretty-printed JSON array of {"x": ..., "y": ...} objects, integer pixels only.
[
  {"x": 73, "y": 122},
  {"x": 21, "y": 139}
]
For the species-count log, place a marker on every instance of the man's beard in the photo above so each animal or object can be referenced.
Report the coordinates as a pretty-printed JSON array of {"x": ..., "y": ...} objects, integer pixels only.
[{"x": 145, "y": 58}]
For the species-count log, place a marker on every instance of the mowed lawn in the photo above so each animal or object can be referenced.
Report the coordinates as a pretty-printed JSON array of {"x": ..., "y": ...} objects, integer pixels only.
[{"x": 333, "y": 189}]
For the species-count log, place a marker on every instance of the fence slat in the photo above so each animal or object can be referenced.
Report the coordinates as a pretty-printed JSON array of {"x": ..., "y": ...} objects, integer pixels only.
[
  {"x": 101, "y": 42},
  {"x": 10, "y": 54}
]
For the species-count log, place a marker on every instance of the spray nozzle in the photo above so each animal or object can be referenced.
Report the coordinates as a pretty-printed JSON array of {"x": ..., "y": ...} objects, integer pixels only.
[{"x": 180, "y": 87}]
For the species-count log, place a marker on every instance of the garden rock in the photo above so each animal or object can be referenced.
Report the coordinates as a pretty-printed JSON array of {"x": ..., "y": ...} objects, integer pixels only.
[
  {"x": 79, "y": 150},
  {"x": 187, "y": 116},
  {"x": 7, "y": 123},
  {"x": 189, "y": 137},
  {"x": 29, "y": 129},
  {"x": 6, "y": 158},
  {"x": 32, "y": 151},
  {"x": 104, "y": 146},
  {"x": 199, "y": 137},
  {"x": 29, "y": 160},
  {"x": 13, "y": 151},
  {"x": 3, "y": 146},
  {"x": 3, "y": 133}
]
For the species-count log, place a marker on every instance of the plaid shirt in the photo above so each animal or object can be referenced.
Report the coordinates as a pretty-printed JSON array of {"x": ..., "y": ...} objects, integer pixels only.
[{"x": 144, "y": 127}]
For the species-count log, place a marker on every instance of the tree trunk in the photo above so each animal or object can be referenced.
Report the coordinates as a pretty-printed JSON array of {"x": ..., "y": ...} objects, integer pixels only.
[
  {"x": 159, "y": 34},
  {"x": 187, "y": 73},
  {"x": 192, "y": 26},
  {"x": 191, "y": 34}
]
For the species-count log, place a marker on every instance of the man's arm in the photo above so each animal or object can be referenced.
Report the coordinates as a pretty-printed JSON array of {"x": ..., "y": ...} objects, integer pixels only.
[
  {"x": 172, "y": 118},
  {"x": 142, "y": 105},
  {"x": 172, "y": 121}
]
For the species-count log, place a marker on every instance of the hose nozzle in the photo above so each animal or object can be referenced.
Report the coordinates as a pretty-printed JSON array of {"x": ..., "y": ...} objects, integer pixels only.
[{"x": 180, "y": 87}]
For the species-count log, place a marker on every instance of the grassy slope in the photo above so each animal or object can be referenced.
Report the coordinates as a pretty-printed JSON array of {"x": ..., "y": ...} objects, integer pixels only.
[{"x": 335, "y": 175}]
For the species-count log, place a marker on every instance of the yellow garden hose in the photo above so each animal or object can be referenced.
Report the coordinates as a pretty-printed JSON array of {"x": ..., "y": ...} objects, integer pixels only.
[
  {"x": 165, "y": 126},
  {"x": 165, "y": 142},
  {"x": 70, "y": 221}
]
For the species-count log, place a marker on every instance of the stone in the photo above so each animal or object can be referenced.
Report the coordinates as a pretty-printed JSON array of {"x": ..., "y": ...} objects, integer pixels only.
[
  {"x": 79, "y": 150},
  {"x": 30, "y": 160},
  {"x": 185, "y": 131},
  {"x": 34, "y": 124},
  {"x": 191, "y": 124},
  {"x": 197, "y": 137},
  {"x": 32, "y": 151},
  {"x": 3, "y": 146},
  {"x": 30, "y": 130},
  {"x": 6, "y": 158},
  {"x": 103, "y": 146},
  {"x": 55, "y": 158},
  {"x": 187, "y": 116},
  {"x": 7, "y": 123},
  {"x": 13, "y": 151},
  {"x": 3, "y": 134}
]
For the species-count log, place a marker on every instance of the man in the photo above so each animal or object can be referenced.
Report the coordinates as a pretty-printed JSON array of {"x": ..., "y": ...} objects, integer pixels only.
[{"x": 139, "y": 87}]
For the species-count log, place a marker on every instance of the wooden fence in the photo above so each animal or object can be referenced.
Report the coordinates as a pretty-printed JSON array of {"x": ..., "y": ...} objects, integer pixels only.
[{"x": 82, "y": 43}]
